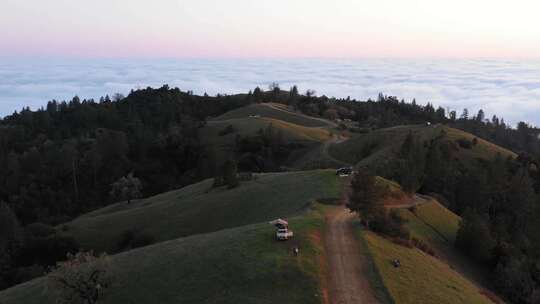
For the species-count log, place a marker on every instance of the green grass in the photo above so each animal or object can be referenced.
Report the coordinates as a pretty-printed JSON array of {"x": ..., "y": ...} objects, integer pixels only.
[
  {"x": 199, "y": 208},
  {"x": 240, "y": 265},
  {"x": 421, "y": 278},
  {"x": 378, "y": 148},
  {"x": 282, "y": 113},
  {"x": 293, "y": 127},
  {"x": 437, "y": 226},
  {"x": 251, "y": 125},
  {"x": 433, "y": 222},
  {"x": 381, "y": 292}
]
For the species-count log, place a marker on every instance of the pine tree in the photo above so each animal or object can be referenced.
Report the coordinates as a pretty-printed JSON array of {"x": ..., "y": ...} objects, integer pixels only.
[
  {"x": 411, "y": 164},
  {"x": 230, "y": 174},
  {"x": 366, "y": 196}
]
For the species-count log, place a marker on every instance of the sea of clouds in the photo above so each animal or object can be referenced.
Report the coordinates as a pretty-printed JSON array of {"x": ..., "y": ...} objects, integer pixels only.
[{"x": 508, "y": 88}]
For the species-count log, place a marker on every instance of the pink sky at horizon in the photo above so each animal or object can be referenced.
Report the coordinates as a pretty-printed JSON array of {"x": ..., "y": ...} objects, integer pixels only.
[{"x": 270, "y": 29}]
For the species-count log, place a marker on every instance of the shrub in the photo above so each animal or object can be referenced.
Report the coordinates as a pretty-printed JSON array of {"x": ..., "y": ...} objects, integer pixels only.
[
  {"x": 46, "y": 251},
  {"x": 59, "y": 246},
  {"x": 83, "y": 278},
  {"x": 23, "y": 274},
  {"x": 464, "y": 143},
  {"x": 423, "y": 246},
  {"x": 227, "y": 130},
  {"x": 389, "y": 225},
  {"x": 402, "y": 242},
  {"x": 245, "y": 176},
  {"x": 474, "y": 237},
  {"x": 134, "y": 238},
  {"x": 40, "y": 230}
]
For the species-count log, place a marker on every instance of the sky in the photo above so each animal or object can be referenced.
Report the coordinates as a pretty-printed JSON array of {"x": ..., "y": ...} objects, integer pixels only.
[
  {"x": 456, "y": 54},
  {"x": 269, "y": 29}
]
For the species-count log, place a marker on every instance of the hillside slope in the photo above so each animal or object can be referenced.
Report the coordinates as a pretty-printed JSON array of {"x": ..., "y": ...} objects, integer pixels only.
[
  {"x": 437, "y": 226},
  {"x": 239, "y": 265},
  {"x": 199, "y": 208},
  {"x": 378, "y": 147},
  {"x": 275, "y": 111},
  {"x": 421, "y": 278}
]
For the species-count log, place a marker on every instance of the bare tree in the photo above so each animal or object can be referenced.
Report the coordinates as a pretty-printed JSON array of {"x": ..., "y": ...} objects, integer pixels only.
[{"x": 83, "y": 278}]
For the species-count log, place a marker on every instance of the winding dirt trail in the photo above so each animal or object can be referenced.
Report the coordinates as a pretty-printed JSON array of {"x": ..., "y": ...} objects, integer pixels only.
[{"x": 348, "y": 282}]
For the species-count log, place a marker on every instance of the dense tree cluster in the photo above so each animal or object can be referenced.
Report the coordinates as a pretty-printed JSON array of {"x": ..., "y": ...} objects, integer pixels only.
[
  {"x": 497, "y": 199},
  {"x": 366, "y": 199},
  {"x": 61, "y": 160}
]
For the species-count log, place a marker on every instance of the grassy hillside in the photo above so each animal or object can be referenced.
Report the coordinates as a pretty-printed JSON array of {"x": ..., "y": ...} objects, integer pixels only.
[
  {"x": 249, "y": 126},
  {"x": 240, "y": 265},
  {"x": 437, "y": 226},
  {"x": 421, "y": 278},
  {"x": 377, "y": 148},
  {"x": 199, "y": 208},
  {"x": 433, "y": 222},
  {"x": 275, "y": 111},
  {"x": 294, "y": 127}
]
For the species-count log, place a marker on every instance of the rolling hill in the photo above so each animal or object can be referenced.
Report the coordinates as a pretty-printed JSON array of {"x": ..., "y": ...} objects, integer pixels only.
[
  {"x": 275, "y": 111},
  {"x": 305, "y": 136},
  {"x": 199, "y": 208},
  {"x": 378, "y": 147},
  {"x": 421, "y": 278},
  {"x": 437, "y": 226},
  {"x": 238, "y": 265}
]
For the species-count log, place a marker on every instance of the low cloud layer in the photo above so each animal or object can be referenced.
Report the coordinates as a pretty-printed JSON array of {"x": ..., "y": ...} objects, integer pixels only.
[{"x": 510, "y": 89}]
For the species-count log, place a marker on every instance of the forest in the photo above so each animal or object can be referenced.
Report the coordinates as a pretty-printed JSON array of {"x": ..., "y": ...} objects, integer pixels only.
[{"x": 60, "y": 161}]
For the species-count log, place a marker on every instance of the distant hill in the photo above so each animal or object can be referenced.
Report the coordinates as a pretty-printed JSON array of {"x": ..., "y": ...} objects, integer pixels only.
[
  {"x": 375, "y": 149},
  {"x": 276, "y": 111}
]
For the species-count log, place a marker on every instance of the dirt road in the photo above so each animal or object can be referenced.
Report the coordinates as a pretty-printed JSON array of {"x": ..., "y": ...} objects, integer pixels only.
[{"x": 348, "y": 282}]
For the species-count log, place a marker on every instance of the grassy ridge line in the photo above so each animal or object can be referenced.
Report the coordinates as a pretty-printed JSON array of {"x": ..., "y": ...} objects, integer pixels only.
[
  {"x": 273, "y": 112},
  {"x": 199, "y": 208},
  {"x": 378, "y": 148},
  {"x": 307, "y": 133},
  {"x": 210, "y": 134},
  {"x": 239, "y": 265},
  {"x": 421, "y": 278}
]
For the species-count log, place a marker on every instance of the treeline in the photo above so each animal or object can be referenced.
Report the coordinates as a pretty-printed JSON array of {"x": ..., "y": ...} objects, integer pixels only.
[
  {"x": 61, "y": 160},
  {"x": 498, "y": 200},
  {"x": 388, "y": 111}
]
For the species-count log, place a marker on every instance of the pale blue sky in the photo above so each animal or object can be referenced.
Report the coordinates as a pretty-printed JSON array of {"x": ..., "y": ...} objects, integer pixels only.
[{"x": 264, "y": 28}]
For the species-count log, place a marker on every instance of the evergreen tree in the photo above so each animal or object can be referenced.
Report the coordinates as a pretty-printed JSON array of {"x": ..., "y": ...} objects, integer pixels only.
[
  {"x": 465, "y": 114},
  {"x": 11, "y": 240},
  {"x": 480, "y": 116},
  {"x": 230, "y": 174},
  {"x": 366, "y": 196},
  {"x": 474, "y": 237},
  {"x": 126, "y": 188},
  {"x": 411, "y": 164}
]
